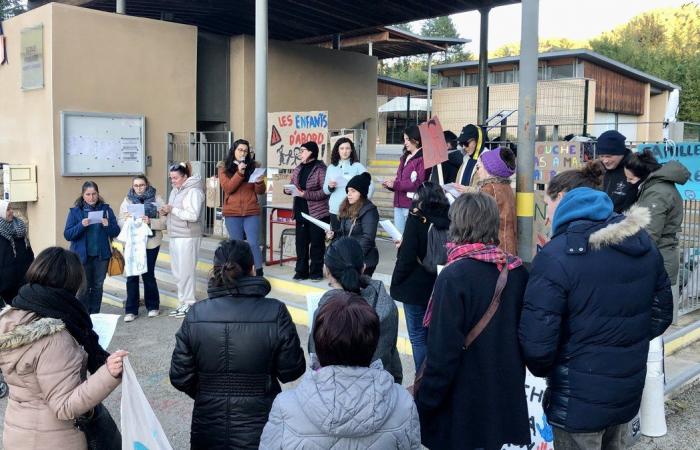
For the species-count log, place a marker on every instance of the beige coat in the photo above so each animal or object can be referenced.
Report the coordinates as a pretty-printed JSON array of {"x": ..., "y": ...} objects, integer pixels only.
[{"x": 45, "y": 369}]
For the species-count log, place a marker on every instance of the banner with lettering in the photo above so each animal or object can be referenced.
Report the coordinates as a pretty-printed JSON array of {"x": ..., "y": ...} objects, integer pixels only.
[
  {"x": 541, "y": 434},
  {"x": 688, "y": 154},
  {"x": 554, "y": 157},
  {"x": 287, "y": 131}
]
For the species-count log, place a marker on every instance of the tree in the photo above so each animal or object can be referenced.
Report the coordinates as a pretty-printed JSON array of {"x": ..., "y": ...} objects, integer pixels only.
[
  {"x": 444, "y": 27},
  {"x": 10, "y": 8},
  {"x": 545, "y": 45},
  {"x": 664, "y": 43}
]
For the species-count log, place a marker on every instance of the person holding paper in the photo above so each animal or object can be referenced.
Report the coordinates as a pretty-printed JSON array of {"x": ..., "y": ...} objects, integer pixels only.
[
  {"x": 344, "y": 166},
  {"x": 411, "y": 283},
  {"x": 47, "y": 346},
  {"x": 359, "y": 219},
  {"x": 308, "y": 179},
  {"x": 241, "y": 208},
  {"x": 232, "y": 352},
  {"x": 91, "y": 241},
  {"x": 144, "y": 194},
  {"x": 410, "y": 174},
  {"x": 184, "y": 210},
  {"x": 15, "y": 253}
]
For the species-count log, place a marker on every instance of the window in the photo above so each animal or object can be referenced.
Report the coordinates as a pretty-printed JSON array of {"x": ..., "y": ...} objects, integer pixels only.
[
  {"x": 541, "y": 72},
  {"x": 471, "y": 79},
  {"x": 507, "y": 76},
  {"x": 451, "y": 81},
  {"x": 565, "y": 71}
]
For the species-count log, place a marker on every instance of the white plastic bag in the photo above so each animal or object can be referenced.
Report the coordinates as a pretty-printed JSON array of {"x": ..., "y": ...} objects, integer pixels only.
[{"x": 140, "y": 427}]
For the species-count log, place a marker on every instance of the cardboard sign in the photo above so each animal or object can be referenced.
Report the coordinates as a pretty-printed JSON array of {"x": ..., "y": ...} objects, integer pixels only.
[
  {"x": 541, "y": 228},
  {"x": 434, "y": 144},
  {"x": 277, "y": 183},
  {"x": 552, "y": 158},
  {"x": 688, "y": 154},
  {"x": 287, "y": 131},
  {"x": 541, "y": 433}
]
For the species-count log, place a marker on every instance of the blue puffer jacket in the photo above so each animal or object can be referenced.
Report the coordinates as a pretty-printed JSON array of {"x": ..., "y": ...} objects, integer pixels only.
[
  {"x": 76, "y": 233},
  {"x": 597, "y": 294}
]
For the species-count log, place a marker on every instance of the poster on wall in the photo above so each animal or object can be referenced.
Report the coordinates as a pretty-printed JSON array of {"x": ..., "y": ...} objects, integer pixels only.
[
  {"x": 287, "y": 131},
  {"x": 688, "y": 154},
  {"x": 32, "y": 55},
  {"x": 554, "y": 157}
]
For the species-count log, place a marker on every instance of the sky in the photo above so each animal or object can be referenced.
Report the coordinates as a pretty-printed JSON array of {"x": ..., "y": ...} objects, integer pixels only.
[{"x": 558, "y": 18}]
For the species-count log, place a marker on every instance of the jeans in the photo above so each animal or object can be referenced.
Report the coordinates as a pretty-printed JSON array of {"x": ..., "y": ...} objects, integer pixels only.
[
  {"x": 610, "y": 438},
  {"x": 150, "y": 287},
  {"x": 400, "y": 217},
  {"x": 417, "y": 333},
  {"x": 236, "y": 227},
  {"x": 310, "y": 245},
  {"x": 90, "y": 295}
]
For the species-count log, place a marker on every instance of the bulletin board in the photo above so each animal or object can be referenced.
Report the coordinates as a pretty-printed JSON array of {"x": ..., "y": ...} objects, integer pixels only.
[{"x": 99, "y": 144}]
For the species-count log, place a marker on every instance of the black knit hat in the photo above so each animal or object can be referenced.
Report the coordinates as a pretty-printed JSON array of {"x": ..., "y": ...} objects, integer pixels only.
[
  {"x": 611, "y": 142},
  {"x": 312, "y": 147},
  {"x": 360, "y": 183}
]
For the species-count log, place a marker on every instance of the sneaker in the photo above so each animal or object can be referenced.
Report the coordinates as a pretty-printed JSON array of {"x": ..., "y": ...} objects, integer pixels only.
[
  {"x": 153, "y": 313},
  {"x": 299, "y": 276},
  {"x": 175, "y": 312},
  {"x": 129, "y": 317},
  {"x": 182, "y": 312}
]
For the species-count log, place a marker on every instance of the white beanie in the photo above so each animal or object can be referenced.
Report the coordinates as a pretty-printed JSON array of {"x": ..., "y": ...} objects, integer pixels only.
[{"x": 3, "y": 208}]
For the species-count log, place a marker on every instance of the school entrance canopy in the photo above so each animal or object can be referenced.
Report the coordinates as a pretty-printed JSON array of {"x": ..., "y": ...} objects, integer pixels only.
[{"x": 292, "y": 20}]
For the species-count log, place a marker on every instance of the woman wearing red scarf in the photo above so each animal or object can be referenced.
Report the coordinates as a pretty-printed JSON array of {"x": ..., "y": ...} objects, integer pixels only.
[{"x": 473, "y": 398}]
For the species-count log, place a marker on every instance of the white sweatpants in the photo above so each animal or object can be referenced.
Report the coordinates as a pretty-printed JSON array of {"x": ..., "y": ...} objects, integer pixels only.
[{"x": 183, "y": 264}]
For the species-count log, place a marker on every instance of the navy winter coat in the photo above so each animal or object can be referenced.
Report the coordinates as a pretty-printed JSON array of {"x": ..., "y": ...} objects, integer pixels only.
[
  {"x": 76, "y": 233},
  {"x": 597, "y": 294}
]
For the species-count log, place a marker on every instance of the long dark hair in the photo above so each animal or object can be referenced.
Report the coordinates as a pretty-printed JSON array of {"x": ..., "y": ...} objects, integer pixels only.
[
  {"x": 642, "y": 164},
  {"x": 58, "y": 268},
  {"x": 431, "y": 197},
  {"x": 590, "y": 175},
  {"x": 413, "y": 134},
  {"x": 230, "y": 162},
  {"x": 345, "y": 261},
  {"x": 232, "y": 260},
  {"x": 351, "y": 211},
  {"x": 335, "y": 154},
  {"x": 80, "y": 202}
]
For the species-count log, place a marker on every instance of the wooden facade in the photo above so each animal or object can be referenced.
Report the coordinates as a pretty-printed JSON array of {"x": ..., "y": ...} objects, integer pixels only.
[
  {"x": 615, "y": 93},
  {"x": 394, "y": 90}
]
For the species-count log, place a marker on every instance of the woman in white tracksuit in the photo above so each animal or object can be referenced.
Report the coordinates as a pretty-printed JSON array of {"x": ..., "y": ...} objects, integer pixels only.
[{"x": 185, "y": 231}]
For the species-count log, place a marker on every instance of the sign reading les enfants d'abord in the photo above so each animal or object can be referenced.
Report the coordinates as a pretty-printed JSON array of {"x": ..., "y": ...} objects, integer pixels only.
[{"x": 287, "y": 131}]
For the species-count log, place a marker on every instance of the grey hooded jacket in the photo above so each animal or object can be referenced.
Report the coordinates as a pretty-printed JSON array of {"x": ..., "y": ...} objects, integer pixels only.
[{"x": 340, "y": 407}]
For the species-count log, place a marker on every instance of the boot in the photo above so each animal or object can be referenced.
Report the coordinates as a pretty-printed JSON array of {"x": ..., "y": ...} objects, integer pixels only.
[{"x": 259, "y": 272}]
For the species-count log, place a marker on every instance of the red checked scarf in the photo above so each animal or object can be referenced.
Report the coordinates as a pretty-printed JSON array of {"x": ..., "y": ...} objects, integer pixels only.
[{"x": 481, "y": 252}]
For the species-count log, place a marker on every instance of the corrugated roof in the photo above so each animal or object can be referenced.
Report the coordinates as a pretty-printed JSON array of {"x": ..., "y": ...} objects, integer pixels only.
[
  {"x": 587, "y": 55},
  {"x": 402, "y": 83}
]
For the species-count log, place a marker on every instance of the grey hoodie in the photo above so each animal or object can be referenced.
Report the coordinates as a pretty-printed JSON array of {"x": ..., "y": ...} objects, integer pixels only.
[
  {"x": 187, "y": 203},
  {"x": 340, "y": 407}
]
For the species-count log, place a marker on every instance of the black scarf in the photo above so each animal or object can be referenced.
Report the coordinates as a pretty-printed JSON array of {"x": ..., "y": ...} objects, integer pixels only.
[
  {"x": 60, "y": 304},
  {"x": 14, "y": 230},
  {"x": 148, "y": 199}
]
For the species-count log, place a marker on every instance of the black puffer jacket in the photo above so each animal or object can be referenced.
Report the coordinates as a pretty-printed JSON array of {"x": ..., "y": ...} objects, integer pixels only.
[
  {"x": 363, "y": 230},
  {"x": 13, "y": 268},
  {"x": 410, "y": 282},
  {"x": 229, "y": 355}
]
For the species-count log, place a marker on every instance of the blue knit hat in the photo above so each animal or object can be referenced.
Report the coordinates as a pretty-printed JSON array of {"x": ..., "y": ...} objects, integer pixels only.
[{"x": 582, "y": 204}]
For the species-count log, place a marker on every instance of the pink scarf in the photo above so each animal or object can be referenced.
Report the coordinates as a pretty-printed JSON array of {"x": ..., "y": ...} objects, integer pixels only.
[{"x": 481, "y": 252}]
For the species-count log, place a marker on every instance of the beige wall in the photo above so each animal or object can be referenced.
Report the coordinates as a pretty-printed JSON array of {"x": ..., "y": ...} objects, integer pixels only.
[
  {"x": 643, "y": 119},
  {"x": 26, "y": 128},
  {"x": 96, "y": 62},
  {"x": 657, "y": 111},
  {"x": 305, "y": 78}
]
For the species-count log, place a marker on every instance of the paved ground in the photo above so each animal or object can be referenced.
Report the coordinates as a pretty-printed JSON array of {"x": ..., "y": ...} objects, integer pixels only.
[{"x": 151, "y": 342}]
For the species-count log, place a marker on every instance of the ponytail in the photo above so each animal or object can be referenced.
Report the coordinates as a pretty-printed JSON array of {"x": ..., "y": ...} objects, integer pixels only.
[
  {"x": 232, "y": 260},
  {"x": 183, "y": 168},
  {"x": 590, "y": 175},
  {"x": 345, "y": 261}
]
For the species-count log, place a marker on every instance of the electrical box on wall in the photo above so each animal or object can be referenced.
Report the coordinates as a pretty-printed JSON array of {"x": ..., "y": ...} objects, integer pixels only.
[{"x": 19, "y": 183}]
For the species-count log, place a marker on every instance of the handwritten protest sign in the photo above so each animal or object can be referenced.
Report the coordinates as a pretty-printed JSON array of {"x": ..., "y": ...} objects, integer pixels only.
[
  {"x": 542, "y": 228},
  {"x": 554, "y": 157},
  {"x": 541, "y": 433},
  {"x": 688, "y": 154},
  {"x": 287, "y": 131},
  {"x": 434, "y": 144}
]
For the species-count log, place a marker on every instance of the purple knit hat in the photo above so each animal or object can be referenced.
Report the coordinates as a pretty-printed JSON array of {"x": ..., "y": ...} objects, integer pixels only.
[{"x": 494, "y": 165}]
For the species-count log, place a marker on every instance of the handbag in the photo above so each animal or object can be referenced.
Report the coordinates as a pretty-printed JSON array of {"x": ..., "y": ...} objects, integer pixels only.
[
  {"x": 101, "y": 432},
  {"x": 474, "y": 332},
  {"x": 116, "y": 261}
]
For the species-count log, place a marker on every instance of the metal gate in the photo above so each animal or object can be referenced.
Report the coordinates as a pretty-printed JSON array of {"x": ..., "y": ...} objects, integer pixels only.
[
  {"x": 689, "y": 246},
  {"x": 204, "y": 150}
]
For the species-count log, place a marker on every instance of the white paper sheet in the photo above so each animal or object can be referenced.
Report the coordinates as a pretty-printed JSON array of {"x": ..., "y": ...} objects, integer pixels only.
[
  {"x": 136, "y": 210},
  {"x": 293, "y": 189},
  {"x": 439, "y": 268},
  {"x": 391, "y": 229},
  {"x": 451, "y": 188},
  {"x": 312, "y": 301},
  {"x": 95, "y": 217},
  {"x": 322, "y": 225},
  {"x": 257, "y": 173},
  {"x": 450, "y": 198},
  {"x": 341, "y": 181},
  {"x": 104, "y": 325}
]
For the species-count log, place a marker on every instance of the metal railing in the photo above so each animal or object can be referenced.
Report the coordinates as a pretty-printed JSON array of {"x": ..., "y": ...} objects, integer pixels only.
[{"x": 689, "y": 246}]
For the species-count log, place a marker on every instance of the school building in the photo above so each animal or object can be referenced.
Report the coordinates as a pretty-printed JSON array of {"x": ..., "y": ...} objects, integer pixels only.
[{"x": 574, "y": 88}]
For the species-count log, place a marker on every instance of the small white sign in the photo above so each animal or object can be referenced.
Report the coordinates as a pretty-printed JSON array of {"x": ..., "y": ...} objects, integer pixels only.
[
  {"x": 95, "y": 217},
  {"x": 292, "y": 189},
  {"x": 257, "y": 173},
  {"x": 104, "y": 325},
  {"x": 390, "y": 228},
  {"x": 319, "y": 223}
]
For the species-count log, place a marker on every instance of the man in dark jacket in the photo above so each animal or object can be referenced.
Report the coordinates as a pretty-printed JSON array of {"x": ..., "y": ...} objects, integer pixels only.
[
  {"x": 612, "y": 152},
  {"x": 597, "y": 294},
  {"x": 230, "y": 354}
]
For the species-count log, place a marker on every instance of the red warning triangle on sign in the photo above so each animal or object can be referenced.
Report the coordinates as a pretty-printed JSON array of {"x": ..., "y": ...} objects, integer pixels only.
[{"x": 275, "y": 137}]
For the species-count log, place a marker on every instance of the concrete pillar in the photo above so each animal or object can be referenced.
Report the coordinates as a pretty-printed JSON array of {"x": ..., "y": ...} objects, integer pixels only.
[
  {"x": 483, "y": 100},
  {"x": 430, "y": 82},
  {"x": 121, "y": 6},
  {"x": 261, "y": 100},
  {"x": 527, "y": 117}
]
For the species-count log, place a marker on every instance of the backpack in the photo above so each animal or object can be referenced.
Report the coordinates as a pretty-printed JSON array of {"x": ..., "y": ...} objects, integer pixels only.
[{"x": 436, "y": 250}]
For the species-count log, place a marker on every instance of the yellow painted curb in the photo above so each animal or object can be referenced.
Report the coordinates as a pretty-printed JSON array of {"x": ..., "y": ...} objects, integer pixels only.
[
  {"x": 683, "y": 341},
  {"x": 383, "y": 162}
]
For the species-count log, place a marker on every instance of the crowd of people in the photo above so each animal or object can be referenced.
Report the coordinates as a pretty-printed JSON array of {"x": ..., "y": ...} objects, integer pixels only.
[{"x": 582, "y": 315}]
